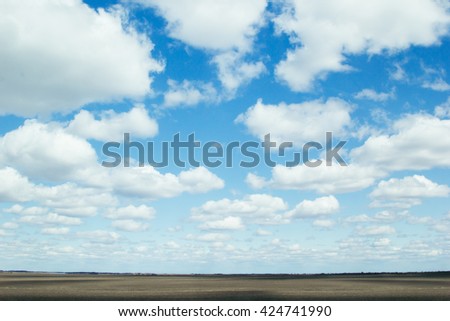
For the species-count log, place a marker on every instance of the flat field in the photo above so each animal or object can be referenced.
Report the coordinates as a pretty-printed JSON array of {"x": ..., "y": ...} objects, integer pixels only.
[{"x": 85, "y": 286}]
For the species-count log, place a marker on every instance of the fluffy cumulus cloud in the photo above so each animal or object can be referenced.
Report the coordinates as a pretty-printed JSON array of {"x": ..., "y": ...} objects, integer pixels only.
[
  {"x": 319, "y": 207},
  {"x": 224, "y": 28},
  {"x": 14, "y": 187},
  {"x": 255, "y": 208},
  {"x": 45, "y": 151},
  {"x": 235, "y": 71},
  {"x": 407, "y": 191},
  {"x": 323, "y": 179},
  {"x": 112, "y": 125},
  {"x": 298, "y": 123},
  {"x": 58, "y": 154},
  {"x": 261, "y": 209},
  {"x": 142, "y": 212},
  {"x": 187, "y": 94},
  {"x": 148, "y": 183},
  {"x": 227, "y": 223},
  {"x": 90, "y": 56},
  {"x": 215, "y": 25},
  {"x": 415, "y": 142},
  {"x": 325, "y": 31}
]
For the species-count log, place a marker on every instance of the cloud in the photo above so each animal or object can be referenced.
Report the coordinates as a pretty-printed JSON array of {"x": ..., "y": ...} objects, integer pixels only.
[
  {"x": 112, "y": 125},
  {"x": 142, "y": 212},
  {"x": 49, "y": 152},
  {"x": 50, "y": 219},
  {"x": 371, "y": 94},
  {"x": 375, "y": 230},
  {"x": 415, "y": 142},
  {"x": 46, "y": 151},
  {"x": 14, "y": 187},
  {"x": 319, "y": 207},
  {"x": 147, "y": 182},
  {"x": 129, "y": 225},
  {"x": 234, "y": 71},
  {"x": 228, "y": 223},
  {"x": 382, "y": 242},
  {"x": 224, "y": 28},
  {"x": 187, "y": 93},
  {"x": 55, "y": 230},
  {"x": 255, "y": 181},
  {"x": 261, "y": 232},
  {"x": 437, "y": 85},
  {"x": 209, "y": 237},
  {"x": 254, "y": 208},
  {"x": 325, "y": 224},
  {"x": 406, "y": 192},
  {"x": 325, "y": 179},
  {"x": 91, "y": 56},
  {"x": 325, "y": 32},
  {"x": 297, "y": 123},
  {"x": 10, "y": 225},
  {"x": 99, "y": 236},
  {"x": 443, "y": 110},
  {"x": 214, "y": 25}
]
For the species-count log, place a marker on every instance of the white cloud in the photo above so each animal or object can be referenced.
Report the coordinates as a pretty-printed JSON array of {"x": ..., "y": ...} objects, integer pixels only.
[
  {"x": 362, "y": 218},
  {"x": 188, "y": 93},
  {"x": 398, "y": 73},
  {"x": 298, "y": 123},
  {"x": 371, "y": 94},
  {"x": 129, "y": 225},
  {"x": 326, "y": 31},
  {"x": 325, "y": 179},
  {"x": 415, "y": 143},
  {"x": 91, "y": 56},
  {"x": 10, "y": 225},
  {"x": 14, "y": 187},
  {"x": 227, "y": 223},
  {"x": 215, "y": 25},
  {"x": 142, "y": 212},
  {"x": 147, "y": 182},
  {"x": 99, "y": 236},
  {"x": 382, "y": 242},
  {"x": 437, "y": 85},
  {"x": 443, "y": 110},
  {"x": 112, "y": 125},
  {"x": 234, "y": 71},
  {"x": 255, "y": 208},
  {"x": 326, "y": 224},
  {"x": 50, "y": 219},
  {"x": 375, "y": 230},
  {"x": 55, "y": 230},
  {"x": 209, "y": 237},
  {"x": 255, "y": 181},
  {"x": 225, "y": 28},
  {"x": 199, "y": 180},
  {"x": 261, "y": 232},
  {"x": 45, "y": 151},
  {"x": 406, "y": 192},
  {"x": 320, "y": 206}
]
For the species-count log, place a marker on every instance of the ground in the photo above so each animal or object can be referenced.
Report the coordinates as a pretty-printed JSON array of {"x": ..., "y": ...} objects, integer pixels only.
[{"x": 85, "y": 286}]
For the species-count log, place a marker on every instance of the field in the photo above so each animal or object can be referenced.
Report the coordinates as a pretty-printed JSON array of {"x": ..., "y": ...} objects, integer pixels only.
[{"x": 85, "y": 286}]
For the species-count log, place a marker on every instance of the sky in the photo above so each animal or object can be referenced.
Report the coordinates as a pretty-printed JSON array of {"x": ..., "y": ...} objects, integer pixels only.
[{"x": 76, "y": 76}]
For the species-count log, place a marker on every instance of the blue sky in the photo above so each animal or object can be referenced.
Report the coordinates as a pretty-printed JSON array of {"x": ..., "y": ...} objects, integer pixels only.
[{"x": 76, "y": 75}]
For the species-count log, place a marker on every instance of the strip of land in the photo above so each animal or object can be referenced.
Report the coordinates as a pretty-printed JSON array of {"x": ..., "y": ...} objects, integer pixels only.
[{"x": 93, "y": 286}]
